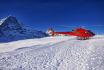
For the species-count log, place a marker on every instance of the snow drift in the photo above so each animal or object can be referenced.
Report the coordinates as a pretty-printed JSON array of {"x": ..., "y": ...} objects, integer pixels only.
[
  {"x": 53, "y": 53},
  {"x": 11, "y": 29}
]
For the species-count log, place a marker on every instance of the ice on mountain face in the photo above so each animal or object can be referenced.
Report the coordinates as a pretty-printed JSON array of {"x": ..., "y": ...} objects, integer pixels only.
[
  {"x": 11, "y": 29},
  {"x": 55, "y": 53},
  {"x": 11, "y": 23},
  {"x": 2, "y": 20}
]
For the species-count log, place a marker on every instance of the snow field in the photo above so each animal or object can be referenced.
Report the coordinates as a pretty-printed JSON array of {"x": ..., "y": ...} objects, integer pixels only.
[{"x": 53, "y": 53}]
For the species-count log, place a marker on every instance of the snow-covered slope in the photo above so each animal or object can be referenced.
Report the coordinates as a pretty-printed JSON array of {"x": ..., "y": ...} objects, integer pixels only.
[
  {"x": 53, "y": 53},
  {"x": 11, "y": 29}
]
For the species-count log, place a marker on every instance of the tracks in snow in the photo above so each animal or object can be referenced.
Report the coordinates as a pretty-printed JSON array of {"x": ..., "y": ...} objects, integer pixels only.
[{"x": 68, "y": 54}]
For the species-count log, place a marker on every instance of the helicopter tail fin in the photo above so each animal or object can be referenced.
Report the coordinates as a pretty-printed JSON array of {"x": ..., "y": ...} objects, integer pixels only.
[{"x": 50, "y": 32}]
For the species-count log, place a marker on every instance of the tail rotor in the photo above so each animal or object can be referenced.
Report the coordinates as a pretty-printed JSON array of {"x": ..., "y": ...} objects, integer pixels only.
[{"x": 50, "y": 31}]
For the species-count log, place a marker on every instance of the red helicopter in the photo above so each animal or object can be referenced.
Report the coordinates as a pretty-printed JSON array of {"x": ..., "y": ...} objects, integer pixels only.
[{"x": 80, "y": 33}]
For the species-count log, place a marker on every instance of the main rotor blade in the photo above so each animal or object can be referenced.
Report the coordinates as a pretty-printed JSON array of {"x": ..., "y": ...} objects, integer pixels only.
[{"x": 81, "y": 26}]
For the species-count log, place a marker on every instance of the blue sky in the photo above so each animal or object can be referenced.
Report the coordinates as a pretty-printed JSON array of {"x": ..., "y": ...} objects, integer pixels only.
[{"x": 42, "y": 14}]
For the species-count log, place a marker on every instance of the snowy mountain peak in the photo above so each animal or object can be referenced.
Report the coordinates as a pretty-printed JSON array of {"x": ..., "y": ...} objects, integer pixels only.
[
  {"x": 10, "y": 19},
  {"x": 10, "y": 23},
  {"x": 12, "y": 29}
]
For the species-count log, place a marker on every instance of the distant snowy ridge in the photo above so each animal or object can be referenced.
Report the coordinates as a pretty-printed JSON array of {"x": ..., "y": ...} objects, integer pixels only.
[
  {"x": 54, "y": 53},
  {"x": 12, "y": 29}
]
